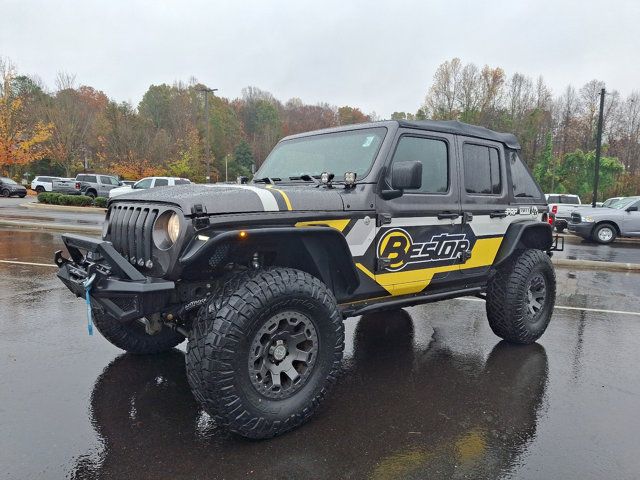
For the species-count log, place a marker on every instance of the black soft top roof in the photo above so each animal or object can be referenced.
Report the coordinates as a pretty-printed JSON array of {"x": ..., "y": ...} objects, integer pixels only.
[{"x": 459, "y": 128}]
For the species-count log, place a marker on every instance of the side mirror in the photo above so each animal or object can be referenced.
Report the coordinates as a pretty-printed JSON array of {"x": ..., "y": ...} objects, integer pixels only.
[
  {"x": 632, "y": 209},
  {"x": 406, "y": 175}
]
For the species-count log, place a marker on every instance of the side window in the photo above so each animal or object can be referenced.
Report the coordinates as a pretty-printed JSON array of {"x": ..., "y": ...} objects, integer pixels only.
[
  {"x": 90, "y": 179},
  {"x": 434, "y": 158},
  {"x": 144, "y": 183},
  {"x": 161, "y": 182},
  {"x": 524, "y": 186},
  {"x": 81, "y": 178},
  {"x": 181, "y": 181},
  {"x": 481, "y": 169}
]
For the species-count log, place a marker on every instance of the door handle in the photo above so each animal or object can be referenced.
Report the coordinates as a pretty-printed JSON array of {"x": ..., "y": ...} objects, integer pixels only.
[
  {"x": 448, "y": 215},
  {"x": 498, "y": 214}
]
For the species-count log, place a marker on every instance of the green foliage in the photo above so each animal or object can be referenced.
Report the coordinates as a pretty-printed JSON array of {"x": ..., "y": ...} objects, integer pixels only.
[
  {"x": 100, "y": 202},
  {"x": 545, "y": 169},
  {"x": 52, "y": 198},
  {"x": 575, "y": 174}
]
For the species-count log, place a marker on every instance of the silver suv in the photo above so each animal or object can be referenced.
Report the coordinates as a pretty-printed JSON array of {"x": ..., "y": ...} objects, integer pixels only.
[{"x": 620, "y": 219}]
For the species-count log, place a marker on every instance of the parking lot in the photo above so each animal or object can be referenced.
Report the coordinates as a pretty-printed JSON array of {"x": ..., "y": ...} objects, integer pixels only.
[{"x": 426, "y": 392}]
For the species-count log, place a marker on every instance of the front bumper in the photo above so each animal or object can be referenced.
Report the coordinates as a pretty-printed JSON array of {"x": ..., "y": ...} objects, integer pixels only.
[
  {"x": 120, "y": 289},
  {"x": 582, "y": 229}
]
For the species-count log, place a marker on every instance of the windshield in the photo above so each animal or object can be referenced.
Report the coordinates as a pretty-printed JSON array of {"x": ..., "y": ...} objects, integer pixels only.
[
  {"x": 337, "y": 153},
  {"x": 624, "y": 203},
  {"x": 8, "y": 181}
]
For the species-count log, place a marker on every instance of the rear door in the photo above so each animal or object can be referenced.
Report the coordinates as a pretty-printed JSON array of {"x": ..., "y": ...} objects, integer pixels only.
[
  {"x": 418, "y": 242},
  {"x": 484, "y": 201}
]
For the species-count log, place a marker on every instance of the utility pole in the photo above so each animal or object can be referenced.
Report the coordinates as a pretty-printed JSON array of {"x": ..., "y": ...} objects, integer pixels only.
[
  {"x": 596, "y": 178},
  {"x": 207, "y": 148}
]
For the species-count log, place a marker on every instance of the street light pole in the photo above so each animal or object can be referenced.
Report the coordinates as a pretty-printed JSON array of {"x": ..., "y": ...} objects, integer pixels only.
[
  {"x": 207, "y": 147},
  {"x": 596, "y": 179}
]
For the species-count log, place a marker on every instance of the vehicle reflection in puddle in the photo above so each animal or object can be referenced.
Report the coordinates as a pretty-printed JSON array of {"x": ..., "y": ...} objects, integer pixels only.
[{"x": 406, "y": 406}]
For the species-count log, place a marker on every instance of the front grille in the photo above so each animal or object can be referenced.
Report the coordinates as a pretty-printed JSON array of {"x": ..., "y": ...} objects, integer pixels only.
[
  {"x": 130, "y": 231},
  {"x": 576, "y": 218}
]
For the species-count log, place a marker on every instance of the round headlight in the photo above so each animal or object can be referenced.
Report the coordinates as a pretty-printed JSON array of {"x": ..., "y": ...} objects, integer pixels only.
[
  {"x": 166, "y": 230},
  {"x": 173, "y": 227}
]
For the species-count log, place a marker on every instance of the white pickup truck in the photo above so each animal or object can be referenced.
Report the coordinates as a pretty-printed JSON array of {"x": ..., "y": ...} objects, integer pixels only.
[
  {"x": 561, "y": 205},
  {"x": 68, "y": 186},
  {"x": 149, "y": 182}
]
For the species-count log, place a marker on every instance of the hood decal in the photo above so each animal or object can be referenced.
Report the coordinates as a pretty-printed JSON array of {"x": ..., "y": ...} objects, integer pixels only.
[{"x": 269, "y": 202}]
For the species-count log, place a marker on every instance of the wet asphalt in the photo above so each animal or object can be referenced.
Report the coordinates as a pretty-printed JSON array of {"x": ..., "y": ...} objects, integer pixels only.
[{"x": 426, "y": 392}]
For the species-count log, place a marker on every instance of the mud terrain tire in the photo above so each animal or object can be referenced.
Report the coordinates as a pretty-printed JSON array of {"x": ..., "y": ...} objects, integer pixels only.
[
  {"x": 237, "y": 336},
  {"x": 132, "y": 336},
  {"x": 520, "y": 297}
]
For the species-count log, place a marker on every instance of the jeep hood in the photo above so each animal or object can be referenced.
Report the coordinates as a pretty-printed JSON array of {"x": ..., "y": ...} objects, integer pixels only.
[{"x": 228, "y": 198}]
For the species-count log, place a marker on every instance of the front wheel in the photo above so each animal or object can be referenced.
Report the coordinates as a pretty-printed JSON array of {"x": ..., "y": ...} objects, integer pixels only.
[
  {"x": 521, "y": 296},
  {"x": 605, "y": 233},
  {"x": 132, "y": 336},
  {"x": 265, "y": 350}
]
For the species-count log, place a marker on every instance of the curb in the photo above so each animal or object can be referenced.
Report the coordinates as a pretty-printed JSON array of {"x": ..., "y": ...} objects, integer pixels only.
[
  {"x": 596, "y": 265},
  {"x": 56, "y": 227},
  {"x": 63, "y": 208}
]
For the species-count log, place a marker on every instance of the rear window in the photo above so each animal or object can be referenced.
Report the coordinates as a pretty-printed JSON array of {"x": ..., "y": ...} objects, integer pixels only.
[
  {"x": 572, "y": 199},
  {"x": 524, "y": 186},
  {"x": 161, "y": 182}
]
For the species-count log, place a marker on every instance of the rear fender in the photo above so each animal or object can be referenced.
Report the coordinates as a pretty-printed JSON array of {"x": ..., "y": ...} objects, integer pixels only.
[{"x": 526, "y": 234}]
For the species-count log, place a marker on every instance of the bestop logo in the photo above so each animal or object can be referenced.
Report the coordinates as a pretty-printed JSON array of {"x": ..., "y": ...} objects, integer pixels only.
[{"x": 398, "y": 246}]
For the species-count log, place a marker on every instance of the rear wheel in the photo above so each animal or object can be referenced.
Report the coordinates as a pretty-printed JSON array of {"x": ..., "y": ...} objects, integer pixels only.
[
  {"x": 6, "y": 193},
  {"x": 521, "y": 296},
  {"x": 265, "y": 350},
  {"x": 39, "y": 189},
  {"x": 91, "y": 194},
  {"x": 132, "y": 336},
  {"x": 605, "y": 233}
]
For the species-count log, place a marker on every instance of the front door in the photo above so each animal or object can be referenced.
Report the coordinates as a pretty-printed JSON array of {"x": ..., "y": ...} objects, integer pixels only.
[
  {"x": 419, "y": 239},
  {"x": 631, "y": 221}
]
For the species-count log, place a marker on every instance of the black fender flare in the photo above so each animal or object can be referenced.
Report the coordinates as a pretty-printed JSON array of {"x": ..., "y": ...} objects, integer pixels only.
[
  {"x": 524, "y": 234},
  {"x": 320, "y": 251}
]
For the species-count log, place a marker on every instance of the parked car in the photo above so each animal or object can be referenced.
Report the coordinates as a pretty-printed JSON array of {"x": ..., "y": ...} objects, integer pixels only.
[
  {"x": 561, "y": 205},
  {"x": 43, "y": 184},
  {"x": 9, "y": 188},
  {"x": 603, "y": 225},
  {"x": 67, "y": 186},
  {"x": 96, "y": 185},
  {"x": 149, "y": 182}
]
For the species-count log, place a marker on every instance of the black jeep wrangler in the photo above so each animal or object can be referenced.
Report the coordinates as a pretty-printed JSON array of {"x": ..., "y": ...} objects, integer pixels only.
[{"x": 336, "y": 223}]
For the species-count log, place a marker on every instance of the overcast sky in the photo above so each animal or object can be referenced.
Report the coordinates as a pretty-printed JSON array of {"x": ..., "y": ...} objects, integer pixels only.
[{"x": 377, "y": 55}]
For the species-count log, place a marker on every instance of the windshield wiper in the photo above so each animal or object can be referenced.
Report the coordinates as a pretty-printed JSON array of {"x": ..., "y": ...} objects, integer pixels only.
[
  {"x": 270, "y": 180},
  {"x": 307, "y": 178}
]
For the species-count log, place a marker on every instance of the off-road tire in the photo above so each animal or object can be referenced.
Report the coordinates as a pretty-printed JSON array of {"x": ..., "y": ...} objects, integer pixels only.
[
  {"x": 602, "y": 227},
  {"x": 220, "y": 341},
  {"x": 132, "y": 336},
  {"x": 507, "y": 297},
  {"x": 6, "y": 193}
]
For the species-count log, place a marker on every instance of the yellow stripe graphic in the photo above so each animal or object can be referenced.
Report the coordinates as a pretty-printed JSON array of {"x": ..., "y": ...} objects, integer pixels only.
[
  {"x": 340, "y": 224},
  {"x": 284, "y": 195},
  {"x": 414, "y": 281}
]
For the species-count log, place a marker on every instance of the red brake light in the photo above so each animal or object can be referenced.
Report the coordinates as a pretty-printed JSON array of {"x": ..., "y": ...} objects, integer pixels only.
[
  {"x": 554, "y": 209},
  {"x": 77, "y": 185}
]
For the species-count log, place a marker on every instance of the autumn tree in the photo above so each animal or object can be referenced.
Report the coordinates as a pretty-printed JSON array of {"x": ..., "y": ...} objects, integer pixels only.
[{"x": 22, "y": 137}]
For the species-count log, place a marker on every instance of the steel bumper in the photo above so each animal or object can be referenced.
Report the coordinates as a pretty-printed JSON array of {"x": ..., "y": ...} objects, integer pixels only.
[{"x": 120, "y": 289}]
